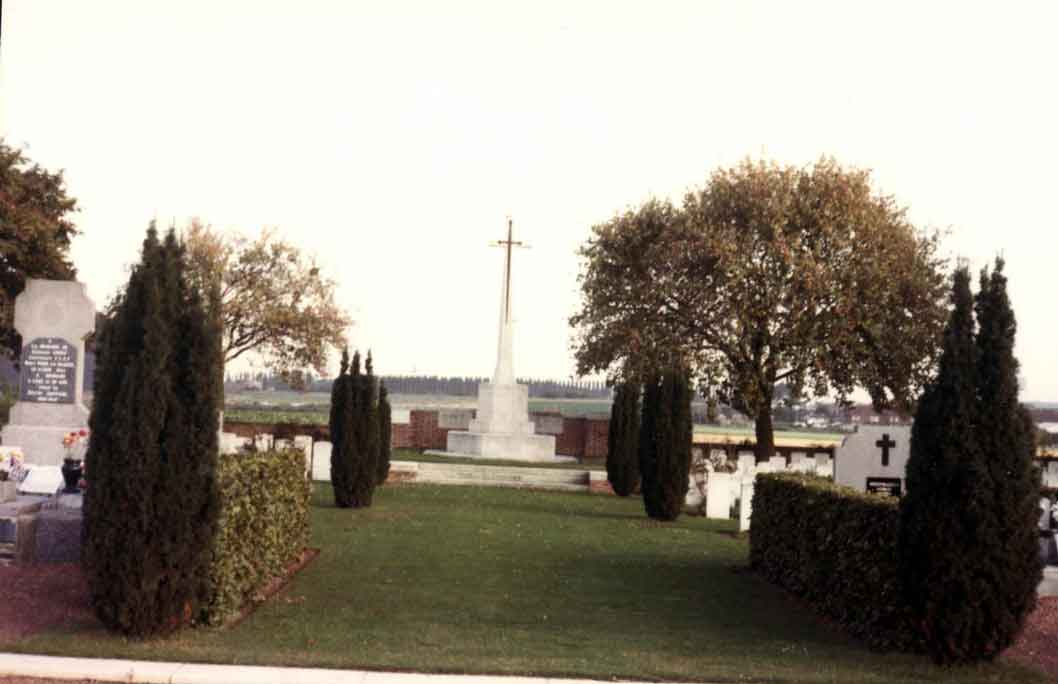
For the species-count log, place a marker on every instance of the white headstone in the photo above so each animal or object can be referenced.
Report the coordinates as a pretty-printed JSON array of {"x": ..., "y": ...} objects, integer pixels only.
[
  {"x": 1050, "y": 476},
  {"x": 321, "y": 461},
  {"x": 718, "y": 496},
  {"x": 53, "y": 317},
  {"x": 303, "y": 443},
  {"x": 778, "y": 464},
  {"x": 746, "y": 505},
  {"x": 874, "y": 458}
]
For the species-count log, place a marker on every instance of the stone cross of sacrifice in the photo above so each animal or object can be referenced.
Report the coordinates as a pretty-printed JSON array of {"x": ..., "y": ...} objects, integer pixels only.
[
  {"x": 885, "y": 444},
  {"x": 508, "y": 243}
]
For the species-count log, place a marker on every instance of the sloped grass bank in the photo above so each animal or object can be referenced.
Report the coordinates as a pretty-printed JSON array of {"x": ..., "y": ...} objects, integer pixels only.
[{"x": 461, "y": 579}]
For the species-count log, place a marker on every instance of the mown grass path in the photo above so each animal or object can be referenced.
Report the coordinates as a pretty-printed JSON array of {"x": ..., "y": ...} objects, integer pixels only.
[{"x": 460, "y": 579}]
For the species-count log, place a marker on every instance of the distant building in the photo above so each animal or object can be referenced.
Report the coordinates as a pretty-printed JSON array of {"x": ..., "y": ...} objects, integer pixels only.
[{"x": 864, "y": 414}]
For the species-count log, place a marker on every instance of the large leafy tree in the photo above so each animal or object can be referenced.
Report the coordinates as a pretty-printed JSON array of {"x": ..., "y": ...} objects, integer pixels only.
[
  {"x": 151, "y": 505},
  {"x": 35, "y": 233},
  {"x": 768, "y": 274},
  {"x": 274, "y": 300}
]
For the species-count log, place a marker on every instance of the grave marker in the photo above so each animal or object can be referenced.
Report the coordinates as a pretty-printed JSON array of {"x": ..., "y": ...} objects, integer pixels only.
[
  {"x": 873, "y": 459},
  {"x": 53, "y": 317}
]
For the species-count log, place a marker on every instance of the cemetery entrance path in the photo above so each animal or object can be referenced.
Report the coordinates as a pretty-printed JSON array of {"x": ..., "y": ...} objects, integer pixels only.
[{"x": 502, "y": 581}]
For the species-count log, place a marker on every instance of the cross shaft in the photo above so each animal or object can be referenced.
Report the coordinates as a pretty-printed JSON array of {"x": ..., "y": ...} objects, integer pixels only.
[{"x": 508, "y": 243}]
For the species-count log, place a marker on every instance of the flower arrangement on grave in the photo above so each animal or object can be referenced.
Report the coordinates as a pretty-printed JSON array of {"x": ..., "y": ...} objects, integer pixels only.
[
  {"x": 10, "y": 464},
  {"x": 75, "y": 443}
]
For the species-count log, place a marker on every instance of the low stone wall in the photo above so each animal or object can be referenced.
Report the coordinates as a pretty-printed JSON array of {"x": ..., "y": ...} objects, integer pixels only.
[{"x": 583, "y": 438}]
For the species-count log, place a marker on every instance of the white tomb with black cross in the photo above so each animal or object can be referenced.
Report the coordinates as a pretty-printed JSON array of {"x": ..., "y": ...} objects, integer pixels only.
[{"x": 874, "y": 459}]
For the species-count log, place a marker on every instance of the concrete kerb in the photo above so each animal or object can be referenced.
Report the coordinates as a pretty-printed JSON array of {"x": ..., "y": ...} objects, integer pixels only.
[{"x": 150, "y": 672}]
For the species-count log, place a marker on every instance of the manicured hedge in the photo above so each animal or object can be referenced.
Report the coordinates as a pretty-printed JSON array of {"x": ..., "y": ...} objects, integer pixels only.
[
  {"x": 262, "y": 527},
  {"x": 835, "y": 547}
]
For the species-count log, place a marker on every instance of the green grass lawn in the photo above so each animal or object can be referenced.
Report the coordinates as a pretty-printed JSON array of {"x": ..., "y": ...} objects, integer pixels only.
[{"x": 462, "y": 579}]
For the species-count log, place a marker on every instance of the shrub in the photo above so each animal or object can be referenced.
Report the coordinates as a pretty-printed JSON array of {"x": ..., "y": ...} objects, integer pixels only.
[
  {"x": 263, "y": 526},
  {"x": 967, "y": 520},
  {"x": 354, "y": 435},
  {"x": 622, "y": 461},
  {"x": 342, "y": 440},
  {"x": 835, "y": 547},
  {"x": 150, "y": 513},
  {"x": 665, "y": 454}
]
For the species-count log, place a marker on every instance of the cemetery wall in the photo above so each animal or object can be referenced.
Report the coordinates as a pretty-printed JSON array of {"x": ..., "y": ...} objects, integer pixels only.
[
  {"x": 837, "y": 548},
  {"x": 580, "y": 437}
]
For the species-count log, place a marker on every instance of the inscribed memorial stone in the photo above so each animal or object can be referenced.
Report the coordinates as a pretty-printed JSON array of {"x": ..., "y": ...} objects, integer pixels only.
[
  {"x": 53, "y": 317},
  {"x": 874, "y": 459}
]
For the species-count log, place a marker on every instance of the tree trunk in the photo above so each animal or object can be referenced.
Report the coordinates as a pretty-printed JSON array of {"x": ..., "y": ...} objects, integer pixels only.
[{"x": 765, "y": 447}]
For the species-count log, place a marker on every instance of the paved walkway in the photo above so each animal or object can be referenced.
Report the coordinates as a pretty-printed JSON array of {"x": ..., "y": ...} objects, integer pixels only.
[{"x": 52, "y": 667}]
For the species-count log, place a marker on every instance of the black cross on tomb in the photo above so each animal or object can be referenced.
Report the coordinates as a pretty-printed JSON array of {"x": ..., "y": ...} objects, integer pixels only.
[{"x": 885, "y": 444}]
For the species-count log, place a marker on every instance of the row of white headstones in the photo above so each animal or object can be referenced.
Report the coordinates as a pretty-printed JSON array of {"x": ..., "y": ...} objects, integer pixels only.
[{"x": 723, "y": 490}]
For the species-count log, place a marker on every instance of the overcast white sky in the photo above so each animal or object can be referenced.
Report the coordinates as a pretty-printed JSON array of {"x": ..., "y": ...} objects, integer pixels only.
[{"x": 392, "y": 139}]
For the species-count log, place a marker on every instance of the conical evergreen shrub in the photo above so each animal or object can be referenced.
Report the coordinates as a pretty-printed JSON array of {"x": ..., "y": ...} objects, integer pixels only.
[
  {"x": 342, "y": 433},
  {"x": 665, "y": 445},
  {"x": 150, "y": 508},
  {"x": 622, "y": 458},
  {"x": 946, "y": 516},
  {"x": 385, "y": 429},
  {"x": 1008, "y": 559},
  {"x": 648, "y": 445},
  {"x": 354, "y": 435}
]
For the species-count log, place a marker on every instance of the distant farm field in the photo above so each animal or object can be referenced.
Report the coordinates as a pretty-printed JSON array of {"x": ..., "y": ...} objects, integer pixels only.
[{"x": 311, "y": 408}]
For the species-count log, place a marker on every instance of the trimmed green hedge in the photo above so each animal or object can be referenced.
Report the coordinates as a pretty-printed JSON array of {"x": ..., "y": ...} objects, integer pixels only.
[
  {"x": 262, "y": 527},
  {"x": 837, "y": 548}
]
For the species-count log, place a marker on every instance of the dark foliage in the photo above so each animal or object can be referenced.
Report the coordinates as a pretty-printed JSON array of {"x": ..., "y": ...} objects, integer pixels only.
[
  {"x": 354, "y": 435},
  {"x": 665, "y": 447},
  {"x": 968, "y": 562},
  {"x": 151, "y": 505},
  {"x": 836, "y": 548},
  {"x": 622, "y": 459},
  {"x": 1008, "y": 560},
  {"x": 648, "y": 446},
  {"x": 343, "y": 439}
]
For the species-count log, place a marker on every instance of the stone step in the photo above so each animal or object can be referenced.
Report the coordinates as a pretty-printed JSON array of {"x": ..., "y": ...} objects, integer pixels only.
[
  {"x": 483, "y": 472},
  {"x": 570, "y": 480}
]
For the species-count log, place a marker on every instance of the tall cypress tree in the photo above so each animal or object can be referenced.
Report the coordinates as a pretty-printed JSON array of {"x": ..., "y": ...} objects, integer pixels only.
[
  {"x": 945, "y": 516},
  {"x": 674, "y": 444},
  {"x": 150, "y": 510},
  {"x": 358, "y": 460},
  {"x": 1008, "y": 561},
  {"x": 385, "y": 428},
  {"x": 342, "y": 436},
  {"x": 622, "y": 458},
  {"x": 648, "y": 444}
]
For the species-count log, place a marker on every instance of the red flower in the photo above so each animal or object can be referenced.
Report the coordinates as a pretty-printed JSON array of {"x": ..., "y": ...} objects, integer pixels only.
[{"x": 83, "y": 432}]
